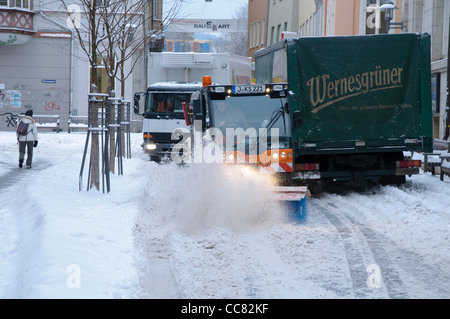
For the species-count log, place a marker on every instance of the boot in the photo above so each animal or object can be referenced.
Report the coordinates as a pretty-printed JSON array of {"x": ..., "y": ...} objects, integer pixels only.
[{"x": 20, "y": 163}]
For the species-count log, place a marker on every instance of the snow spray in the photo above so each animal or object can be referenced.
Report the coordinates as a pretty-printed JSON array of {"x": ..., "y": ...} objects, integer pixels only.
[{"x": 215, "y": 195}]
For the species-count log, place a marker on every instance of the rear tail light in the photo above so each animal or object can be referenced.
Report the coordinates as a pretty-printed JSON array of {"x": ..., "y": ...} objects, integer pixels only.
[{"x": 409, "y": 164}]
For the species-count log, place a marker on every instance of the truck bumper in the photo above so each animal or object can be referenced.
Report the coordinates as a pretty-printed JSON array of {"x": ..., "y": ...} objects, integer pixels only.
[
  {"x": 369, "y": 175},
  {"x": 157, "y": 150},
  {"x": 406, "y": 171}
]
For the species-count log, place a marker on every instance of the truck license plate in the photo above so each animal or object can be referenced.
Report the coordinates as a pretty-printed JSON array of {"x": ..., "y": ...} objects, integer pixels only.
[{"x": 243, "y": 89}]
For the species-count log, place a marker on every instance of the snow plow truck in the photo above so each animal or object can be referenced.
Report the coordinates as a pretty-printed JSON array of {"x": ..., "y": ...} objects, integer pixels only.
[{"x": 243, "y": 124}]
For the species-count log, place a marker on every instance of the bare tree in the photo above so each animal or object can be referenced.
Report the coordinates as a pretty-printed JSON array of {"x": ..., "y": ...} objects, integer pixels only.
[
  {"x": 125, "y": 41},
  {"x": 86, "y": 24},
  {"x": 111, "y": 32},
  {"x": 235, "y": 42}
]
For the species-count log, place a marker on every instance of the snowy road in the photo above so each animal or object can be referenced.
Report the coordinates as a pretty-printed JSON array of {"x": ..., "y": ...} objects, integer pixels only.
[
  {"x": 406, "y": 255},
  {"x": 166, "y": 231},
  {"x": 385, "y": 242}
]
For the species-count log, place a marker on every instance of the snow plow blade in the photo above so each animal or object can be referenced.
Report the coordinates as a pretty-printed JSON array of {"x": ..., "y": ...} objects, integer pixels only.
[{"x": 295, "y": 199}]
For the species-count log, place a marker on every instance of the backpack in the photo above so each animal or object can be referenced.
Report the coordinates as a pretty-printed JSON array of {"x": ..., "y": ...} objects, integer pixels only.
[{"x": 22, "y": 128}]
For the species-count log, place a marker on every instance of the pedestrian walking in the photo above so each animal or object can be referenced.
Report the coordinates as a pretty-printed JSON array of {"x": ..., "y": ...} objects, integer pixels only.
[{"x": 28, "y": 139}]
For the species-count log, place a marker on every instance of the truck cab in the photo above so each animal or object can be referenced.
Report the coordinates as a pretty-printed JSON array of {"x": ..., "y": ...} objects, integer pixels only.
[
  {"x": 162, "y": 114},
  {"x": 247, "y": 124}
]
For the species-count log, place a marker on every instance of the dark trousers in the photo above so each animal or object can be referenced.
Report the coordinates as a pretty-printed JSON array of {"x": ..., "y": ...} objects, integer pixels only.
[{"x": 29, "y": 146}]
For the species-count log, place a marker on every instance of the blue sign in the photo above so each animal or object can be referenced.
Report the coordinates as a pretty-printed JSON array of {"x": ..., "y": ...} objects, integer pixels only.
[{"x": 49, "y": 81}]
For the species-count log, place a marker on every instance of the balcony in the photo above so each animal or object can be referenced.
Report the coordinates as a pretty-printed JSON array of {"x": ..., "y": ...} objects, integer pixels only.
[{"x": 16, "y": 25}]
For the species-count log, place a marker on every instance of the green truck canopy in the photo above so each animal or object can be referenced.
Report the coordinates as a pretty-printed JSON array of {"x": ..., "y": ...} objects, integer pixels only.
[{"x": 374, "y": 87}]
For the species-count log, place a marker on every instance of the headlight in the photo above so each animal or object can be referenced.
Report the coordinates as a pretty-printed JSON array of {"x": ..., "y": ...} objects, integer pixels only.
[{"x": 150, "y": 147}]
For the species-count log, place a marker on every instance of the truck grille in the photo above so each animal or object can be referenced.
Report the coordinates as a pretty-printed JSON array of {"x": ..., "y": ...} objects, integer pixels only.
[{"x": 164, "y": 138}]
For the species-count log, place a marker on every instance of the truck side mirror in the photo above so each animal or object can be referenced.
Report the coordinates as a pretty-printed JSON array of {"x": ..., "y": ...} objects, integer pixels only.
[
  {"x": 136, "y": 99},
  {"x": 297, "y": 123},
  {"x": 291, "y": 93},
  {"x": 196, "y": 106},
  {"x": 186, "y": 113}
]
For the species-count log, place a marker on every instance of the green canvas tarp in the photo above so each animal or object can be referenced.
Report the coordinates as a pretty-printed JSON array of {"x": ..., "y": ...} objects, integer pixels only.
[{"x": 372, "y": 87}]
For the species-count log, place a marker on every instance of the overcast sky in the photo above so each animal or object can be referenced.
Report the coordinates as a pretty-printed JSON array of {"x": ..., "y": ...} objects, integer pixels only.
[{"x": 199, "y": 9}]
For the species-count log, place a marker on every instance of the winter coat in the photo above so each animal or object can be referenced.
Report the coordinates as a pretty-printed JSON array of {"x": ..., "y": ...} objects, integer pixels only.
[{"x": 32, "y": 134}]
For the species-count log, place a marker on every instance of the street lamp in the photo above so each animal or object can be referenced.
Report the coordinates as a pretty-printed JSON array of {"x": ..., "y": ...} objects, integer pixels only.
[{"x": 388, "y": 9}]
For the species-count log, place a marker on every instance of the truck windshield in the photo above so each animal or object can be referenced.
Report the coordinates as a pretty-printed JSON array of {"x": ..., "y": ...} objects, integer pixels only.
[
  {"x": 249, "y": 112},
  {"x": 167, "y": 104}
]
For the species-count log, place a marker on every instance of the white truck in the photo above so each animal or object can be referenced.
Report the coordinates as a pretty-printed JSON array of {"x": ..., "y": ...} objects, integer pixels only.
[{"x": 173, "y": 77}]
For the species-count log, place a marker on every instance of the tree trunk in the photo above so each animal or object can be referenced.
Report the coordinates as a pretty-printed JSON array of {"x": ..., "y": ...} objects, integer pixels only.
[
  {"x": 122, "y": 92},
  {"x": 95, "y": 159},
  {"x": 112, "y": 131}
]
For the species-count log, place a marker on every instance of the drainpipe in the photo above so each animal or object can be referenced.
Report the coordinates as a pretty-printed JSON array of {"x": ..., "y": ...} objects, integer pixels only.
[
  {"x": 64, "y": 27},
  {"x": 266, "y": 43},
  {"x": 447, "y": 108}
]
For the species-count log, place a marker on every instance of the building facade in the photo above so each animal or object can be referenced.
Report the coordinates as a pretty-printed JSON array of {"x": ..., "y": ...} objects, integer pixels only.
[
  {"x": 360, "y": 17},
  {"x": 268, "y": 19},
  {"x": 283, "y": 17},
  {"x": 347, "y": 17},
  {"x": 35, "y": 63},
  {"x": 43, "y": 66},
  {"x": 257, "y": 26},
  {"x": 433, "y": 17}
]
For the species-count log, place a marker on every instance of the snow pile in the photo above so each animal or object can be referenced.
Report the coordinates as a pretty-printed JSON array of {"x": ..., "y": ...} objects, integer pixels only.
[
  {"x": 58, "y": 242},
  {"x": 208, "y": 231}
]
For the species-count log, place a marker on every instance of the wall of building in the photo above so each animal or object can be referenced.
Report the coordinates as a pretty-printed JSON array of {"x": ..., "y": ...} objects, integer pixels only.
[
  {"x": 307, "y": 19},
  {"x": 257, "y": 26},
  {"x": 432, "y": 16},
  {"x": 346, "y": 17},
  {"x": 51, "y": 74},
  {"x": 35, "y": 76},
  {"x": 283, "y": 16}
]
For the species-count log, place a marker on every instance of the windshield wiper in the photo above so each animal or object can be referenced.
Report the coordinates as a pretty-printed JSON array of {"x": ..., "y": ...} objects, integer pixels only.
[{"x": 275, "y": 117}]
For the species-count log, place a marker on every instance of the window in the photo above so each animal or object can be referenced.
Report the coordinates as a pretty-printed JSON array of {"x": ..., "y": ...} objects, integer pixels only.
[
  {"x": 278, "y": 32},
  {"x": 375, "y": 18},
  {"x": 101, "y": 3},
  {"x": 272, "y": 32},
  {"x": 258, "y": 33},
  {"x": 103, "y": 80},
  {"x": 263, "y": 31},
  {"x": 156, "y": 14},
  {"x": 435, "y": 92},
  {"x": 4, "y": 3},
  {"x": 251, "y": 35},
  {"x": 21, "y": 3}
]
